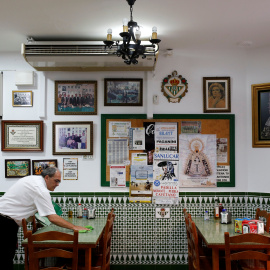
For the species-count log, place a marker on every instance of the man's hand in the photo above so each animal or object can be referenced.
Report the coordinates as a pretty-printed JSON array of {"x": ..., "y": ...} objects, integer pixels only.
[{"x": 80, "y": 228}]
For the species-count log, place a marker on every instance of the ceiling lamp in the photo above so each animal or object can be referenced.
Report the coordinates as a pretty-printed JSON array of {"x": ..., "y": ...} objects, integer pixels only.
[{"x": 131, "y": 48}]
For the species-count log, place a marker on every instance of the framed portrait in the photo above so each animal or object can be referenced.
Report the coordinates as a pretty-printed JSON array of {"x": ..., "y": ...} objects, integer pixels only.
[
  {"x": 22, "y": 135},
  {"x": 261, "y": 115},
  {"x": 22, "y": 98},
  {"x": 39, "y": 165},
  {"x": 75, "y": 97},
  {"x": 123, "y": 92},
  {"x": 17, "y": 168},
  {"x": 73, "y": 138},
  {"x": 216, "y": 94}
]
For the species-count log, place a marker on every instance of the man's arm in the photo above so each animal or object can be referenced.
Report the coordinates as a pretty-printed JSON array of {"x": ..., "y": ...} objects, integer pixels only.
[{"x": 57, "y": 220}]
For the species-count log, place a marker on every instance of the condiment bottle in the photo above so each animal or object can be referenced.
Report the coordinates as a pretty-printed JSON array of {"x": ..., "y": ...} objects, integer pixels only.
[
  {"x": 70, "y": 213},
  {"x": 84, "y": 213},
  {"x": 79, "y": 211},
  {"x": 206, "y": 215},
  {"x": 220, "y": 208},
  {"x": 216, "y": 211}
]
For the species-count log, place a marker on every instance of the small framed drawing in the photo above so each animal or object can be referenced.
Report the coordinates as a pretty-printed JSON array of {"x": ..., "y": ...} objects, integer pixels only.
[
  {"x": 39, "y": 165},
  {"x": 73, "y": 138},
  {"x": 216, "y": 94},
  {"x": 75, "y": 97},
  {"x": 17, "y": 168},
  {"x": 261, "y": 115},
  {"x": 22, "y": 98},
  {"x": 123, "y": 92},
  {"x": 22, "y": 135}
]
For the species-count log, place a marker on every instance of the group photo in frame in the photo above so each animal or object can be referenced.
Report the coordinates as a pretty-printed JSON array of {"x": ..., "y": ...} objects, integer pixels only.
[
  {"x": 73, "y": 138},
  {"x": 39, "y": 165},
  {"x": 22, "y": 98},
  {"x": 261, "y": 115},
  {"x": 216, "y": 94},
  {"x": 75, "y": 97},
  {"x": 22, "y": 135},
  {"x": 17, "y": 168},
  {"x": 123, "y": 92}
]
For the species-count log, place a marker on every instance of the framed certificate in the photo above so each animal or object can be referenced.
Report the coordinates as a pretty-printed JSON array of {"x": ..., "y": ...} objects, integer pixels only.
[{"x": 22, "y": 135}]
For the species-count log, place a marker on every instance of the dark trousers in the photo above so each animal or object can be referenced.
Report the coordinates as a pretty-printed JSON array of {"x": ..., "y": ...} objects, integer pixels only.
[{"x": 9, "y": 230}]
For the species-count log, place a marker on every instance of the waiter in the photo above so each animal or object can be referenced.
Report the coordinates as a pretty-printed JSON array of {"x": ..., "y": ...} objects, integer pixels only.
[{"x": 29, "y": 195}]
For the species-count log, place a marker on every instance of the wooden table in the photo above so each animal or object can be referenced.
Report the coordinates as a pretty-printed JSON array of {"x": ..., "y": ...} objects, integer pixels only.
[
  {"x": 212, "y": 233},
  {"x": 87, "y": 241}
]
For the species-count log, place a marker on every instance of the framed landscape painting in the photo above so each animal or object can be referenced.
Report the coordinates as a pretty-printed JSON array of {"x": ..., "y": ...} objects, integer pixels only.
[
  {"x": 73, "y": 138},
  {"x": 17, "y": 168},
  {"x": 216, "y": 94},
  {"x": 261, "y": 115},
  {"x": 123, "y": 92},
  {"x": 75, "y": 97}
]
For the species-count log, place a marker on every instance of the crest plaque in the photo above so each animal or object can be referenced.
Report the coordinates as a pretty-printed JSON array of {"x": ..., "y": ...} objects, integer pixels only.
[{"x": 174, "y": 87}]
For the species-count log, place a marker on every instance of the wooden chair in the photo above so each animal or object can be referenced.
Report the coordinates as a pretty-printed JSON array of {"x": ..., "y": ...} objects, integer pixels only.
[
  {"x": 34, "y": 229},
  {"x": 247, "y": 247},
  {"x": 263, "y": 214},
  {"x": 67, "y": 250},
  {"x": 199, "y": 260},
  {"x": 101, "y": 260},
  {"x": 186, "y": 216}
]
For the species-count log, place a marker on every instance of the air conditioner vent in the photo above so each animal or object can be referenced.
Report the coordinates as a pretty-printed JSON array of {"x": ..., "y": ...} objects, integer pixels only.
[{"x": 82, "y": 56}]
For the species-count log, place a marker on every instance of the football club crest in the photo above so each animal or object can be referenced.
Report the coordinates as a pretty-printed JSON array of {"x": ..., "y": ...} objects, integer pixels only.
[{"x": 174, "y": 87}]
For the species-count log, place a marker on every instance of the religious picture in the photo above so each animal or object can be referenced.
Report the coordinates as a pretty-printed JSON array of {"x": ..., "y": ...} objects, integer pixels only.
[{"x": 198, "y": 160}]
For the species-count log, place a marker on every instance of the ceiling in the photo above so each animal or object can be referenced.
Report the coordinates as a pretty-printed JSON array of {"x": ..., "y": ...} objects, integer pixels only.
[{"x": 181, "y": 24}]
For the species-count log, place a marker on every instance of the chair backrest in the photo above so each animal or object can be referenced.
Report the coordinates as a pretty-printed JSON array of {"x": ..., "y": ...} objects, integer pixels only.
[
  {"x": 69, "y": 250},
  {"x": 246, "y": 247},
  {"x": 106, "y": 242},
  {"x": 262, "y": 213},
  {"x": 24, "y": 226},
  {"x": 187, "y": 217}
]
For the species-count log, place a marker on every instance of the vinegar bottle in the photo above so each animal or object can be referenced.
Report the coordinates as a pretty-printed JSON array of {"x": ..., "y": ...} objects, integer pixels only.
[
  {"x": 79, "y": 211},
  {"x": 216, "y": 211}
]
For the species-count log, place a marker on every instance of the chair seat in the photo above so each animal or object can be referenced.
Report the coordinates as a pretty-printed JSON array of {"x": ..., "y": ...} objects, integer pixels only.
[{"x": 253, "y": 264}]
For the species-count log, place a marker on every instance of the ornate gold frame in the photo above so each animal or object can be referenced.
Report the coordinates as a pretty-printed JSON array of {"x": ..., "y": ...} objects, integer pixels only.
[{"x": 256, "y": 91}]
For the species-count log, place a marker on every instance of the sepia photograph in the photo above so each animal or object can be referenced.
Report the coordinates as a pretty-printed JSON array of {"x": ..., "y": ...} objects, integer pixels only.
[{"x": 22, "y": 98}]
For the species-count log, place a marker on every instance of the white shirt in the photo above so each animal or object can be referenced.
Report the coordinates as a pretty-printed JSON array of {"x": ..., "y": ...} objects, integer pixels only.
[{"x": 28, "y": 196}]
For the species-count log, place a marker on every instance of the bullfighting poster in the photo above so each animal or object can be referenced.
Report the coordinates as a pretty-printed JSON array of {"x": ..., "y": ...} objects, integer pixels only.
[{"x": 198, "y": 160}]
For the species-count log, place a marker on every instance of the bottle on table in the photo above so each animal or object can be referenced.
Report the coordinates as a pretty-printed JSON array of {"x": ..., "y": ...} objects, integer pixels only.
[
  {"x": 84, "y": 213},
  {"x": 70, "y": 213},
  {"x": 226, "y": 217},
  {"x": 216, "y": 210},
  {"x": 206, "y": 215},
  {"x": 220, "y": 206},
  {"x": 79, "y": 211}
]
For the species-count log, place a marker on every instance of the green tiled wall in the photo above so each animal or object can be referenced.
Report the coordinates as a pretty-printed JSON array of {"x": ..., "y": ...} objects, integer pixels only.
[{"x": 139, "y": 239}]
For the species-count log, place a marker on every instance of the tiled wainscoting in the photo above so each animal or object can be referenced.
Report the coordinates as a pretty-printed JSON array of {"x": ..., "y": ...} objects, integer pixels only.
[{"x": 140, "y": 240}]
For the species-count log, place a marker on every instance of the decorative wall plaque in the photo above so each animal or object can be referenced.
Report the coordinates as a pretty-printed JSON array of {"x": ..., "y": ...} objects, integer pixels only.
[{"x": 174, "y": 87}]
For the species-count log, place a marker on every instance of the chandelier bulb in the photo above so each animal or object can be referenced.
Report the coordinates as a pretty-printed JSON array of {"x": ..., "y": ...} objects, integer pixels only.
[
  {"x": 109, "y": 34},
  {"x": 125, "y": 25},
  {"x": 154, "y": 32},
  {"x": 138, "y": 34}
]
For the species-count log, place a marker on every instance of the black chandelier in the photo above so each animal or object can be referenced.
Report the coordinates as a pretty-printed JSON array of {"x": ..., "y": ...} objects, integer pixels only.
[{"x": 131, "y": 48}]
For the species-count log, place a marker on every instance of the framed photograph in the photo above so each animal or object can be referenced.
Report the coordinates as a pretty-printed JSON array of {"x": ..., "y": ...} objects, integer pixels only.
[
  {"x": 261, "y": 115},
  {"x": 216, "y": 94},
  {"x": 39, "y": 165},
  {"x": 73, "y": 138},
  {"x": 22, "y": 135},
  {"x": 123, "y": 92},
  {"x": 75, "y": 97},
  {"x": 22, "y": 98},
  {"x": 17, "y": 168}
]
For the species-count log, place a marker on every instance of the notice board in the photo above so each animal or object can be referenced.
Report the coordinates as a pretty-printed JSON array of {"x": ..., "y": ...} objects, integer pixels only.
[{"x": 222, "y": 125}]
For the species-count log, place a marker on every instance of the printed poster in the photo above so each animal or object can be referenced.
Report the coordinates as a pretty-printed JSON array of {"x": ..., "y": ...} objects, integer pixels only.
[
  {"x": 139, "y": 159},
  {"x": 119, "y": 129},
  {"x": 149, "y": 140},
  {"x": 117, "y": 151},
  {"x": 222, "y": 150},
  {"x": 165, "y": 136},
  {"x": 117, "y": 176},
  {"x": 198, "y": 160},
  {"x": 141, "y": 183},
  {"x": 70, "y": 168},
  {"x": 136, "y": 139}
]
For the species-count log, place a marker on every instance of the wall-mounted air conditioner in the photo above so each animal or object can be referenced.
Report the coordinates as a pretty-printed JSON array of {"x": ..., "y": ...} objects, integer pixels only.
[{"x": 82, "y": 56}]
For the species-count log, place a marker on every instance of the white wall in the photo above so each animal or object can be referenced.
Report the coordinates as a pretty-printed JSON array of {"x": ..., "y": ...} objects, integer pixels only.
[{"x": 193, "y": 65}]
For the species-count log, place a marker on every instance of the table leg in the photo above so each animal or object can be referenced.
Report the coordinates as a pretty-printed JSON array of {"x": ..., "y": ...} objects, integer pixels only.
[
  {"x": 215, "y": 258},
  {"x": 88, "y": 258}
]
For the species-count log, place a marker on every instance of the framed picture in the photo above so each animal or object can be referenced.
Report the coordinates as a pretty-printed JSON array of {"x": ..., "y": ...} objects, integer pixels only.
[
  {"x": 123, "y": 92},
  {"x": 39, "y": 165},
  {"x": 72, "y": 138},
  {"x": 216, "y": 94},
  {"x": 22, "y": 98},
  {"x": 17, "y": 168},
  {"x": 261, "y": 115},
  {"x": 75, "y": 97},
  {"x": 22, "y": 135}
]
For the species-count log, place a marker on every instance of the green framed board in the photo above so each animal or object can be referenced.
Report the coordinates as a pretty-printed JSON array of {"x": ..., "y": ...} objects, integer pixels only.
[{"x": 223, "y": 125}]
